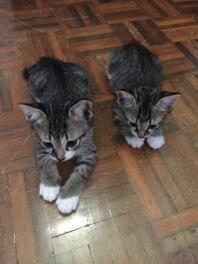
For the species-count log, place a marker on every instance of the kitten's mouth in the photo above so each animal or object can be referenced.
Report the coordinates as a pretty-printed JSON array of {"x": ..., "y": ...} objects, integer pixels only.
[
  {"x": 67, "y": 156},
  {"x": 56, "y": 159},
  {"x": 61, "y": 160},
  {"x": 141, "y": 136}
]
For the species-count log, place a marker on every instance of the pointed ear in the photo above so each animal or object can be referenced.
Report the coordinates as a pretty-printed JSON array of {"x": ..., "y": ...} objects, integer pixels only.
[
  {"x": 167, "y": 101},
  {"x": 81, "y": 110},
  {"x": 125, "y": 99},
  {"x": 33, "y": 114}
]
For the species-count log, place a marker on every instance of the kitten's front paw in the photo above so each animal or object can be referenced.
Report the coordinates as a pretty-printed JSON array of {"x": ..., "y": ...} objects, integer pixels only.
[
  {"x": 156, "y": 142},
  {"x": 67, "y": 205},
  {"x": 48, "y": 193},
  {"x": 135, "y": 142}
]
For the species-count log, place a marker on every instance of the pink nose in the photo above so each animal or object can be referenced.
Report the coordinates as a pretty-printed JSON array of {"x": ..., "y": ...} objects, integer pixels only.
[
  {"x": 60, "y": 154},
  {"x": 141, "y": 133}
]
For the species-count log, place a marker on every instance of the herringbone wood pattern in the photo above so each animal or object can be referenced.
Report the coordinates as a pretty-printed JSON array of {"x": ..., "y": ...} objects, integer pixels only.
[{"x": 139, "y": 206}]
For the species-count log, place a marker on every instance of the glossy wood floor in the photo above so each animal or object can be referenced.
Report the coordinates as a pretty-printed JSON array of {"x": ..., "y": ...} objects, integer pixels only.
[{"x": 140, "y": 206}]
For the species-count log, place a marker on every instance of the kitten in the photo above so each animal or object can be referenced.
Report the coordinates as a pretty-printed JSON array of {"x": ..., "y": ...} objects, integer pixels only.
[
  {"x": 62, "y": 120},
  {"x": 141, "y": 107}
]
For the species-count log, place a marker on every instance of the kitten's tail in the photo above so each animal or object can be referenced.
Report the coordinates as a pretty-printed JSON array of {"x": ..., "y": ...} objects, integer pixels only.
[{"x": 26, "y": 74}]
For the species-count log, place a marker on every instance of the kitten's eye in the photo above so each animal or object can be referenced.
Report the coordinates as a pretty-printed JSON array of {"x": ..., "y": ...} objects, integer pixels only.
[
  {"x": 72, "y": 143},
  {"x": 47, "y": 145},
  {"x": 152, "y": 126},
  {"x": 133, "y": 124}
]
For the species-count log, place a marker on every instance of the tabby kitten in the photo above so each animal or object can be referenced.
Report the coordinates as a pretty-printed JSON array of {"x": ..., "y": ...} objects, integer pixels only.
[
  {"x": 62, "y": 120},
  {"x": 141, "y": 107}
]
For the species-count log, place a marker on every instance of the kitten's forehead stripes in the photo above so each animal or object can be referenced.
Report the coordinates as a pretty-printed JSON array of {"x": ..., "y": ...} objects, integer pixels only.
[
  {"x": 57, "y": 121},
  {"x": 145, "y": 99}
]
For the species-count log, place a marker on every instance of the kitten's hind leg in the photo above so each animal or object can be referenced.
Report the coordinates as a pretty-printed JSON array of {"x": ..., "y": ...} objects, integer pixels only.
[
  {"x": 135, "y": 142},
  {"x": 49, "y": 179},
  {"x": 69, "y": 196},
  {"x": 156, "y": 141}
]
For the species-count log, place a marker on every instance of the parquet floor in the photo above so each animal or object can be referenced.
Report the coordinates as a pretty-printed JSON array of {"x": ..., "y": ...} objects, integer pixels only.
[{"x": 139, "y": 206}]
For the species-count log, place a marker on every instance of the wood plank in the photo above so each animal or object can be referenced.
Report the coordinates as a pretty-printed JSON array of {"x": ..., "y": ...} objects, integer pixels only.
[
  {"x": 133, "y": 172},
  {"x": 21, "y": 214},
  {"x": 175, "y": 223}
]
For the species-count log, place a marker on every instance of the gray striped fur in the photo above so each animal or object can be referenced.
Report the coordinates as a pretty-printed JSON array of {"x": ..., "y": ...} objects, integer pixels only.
[
  {"x": 62, "y": 120},
  {"x": 141, "y": 106}
]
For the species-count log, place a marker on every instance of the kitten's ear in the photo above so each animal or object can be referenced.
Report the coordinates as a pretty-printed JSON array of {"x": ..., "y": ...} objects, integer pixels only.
[
  {"x": 81, "y": 110},
  {"x": 167, "y": 101},
  {"x": 125, "y": 99},
  {"x": 33, "y": 114}
]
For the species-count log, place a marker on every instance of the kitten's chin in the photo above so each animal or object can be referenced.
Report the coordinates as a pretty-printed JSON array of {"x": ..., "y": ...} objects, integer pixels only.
[{"x": 136, "y": 135}]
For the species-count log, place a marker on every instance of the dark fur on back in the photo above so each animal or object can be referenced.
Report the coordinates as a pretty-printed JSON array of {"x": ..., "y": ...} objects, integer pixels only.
[
  {"x": 57, "y": 86},
  {"x": 134, "y": 66},
  {"x": 52, "y": 80},
  {"x": 137, "y": 71}
]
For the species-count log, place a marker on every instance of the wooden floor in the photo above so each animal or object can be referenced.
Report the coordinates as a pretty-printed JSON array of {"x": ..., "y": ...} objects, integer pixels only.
[{"x": 140, "y": 206}]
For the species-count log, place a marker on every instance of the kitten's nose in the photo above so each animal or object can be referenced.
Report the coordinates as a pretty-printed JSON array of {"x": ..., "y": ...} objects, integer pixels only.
[
  {"x": 60, "y": 154},
  {"x": 141, "y": 133}
]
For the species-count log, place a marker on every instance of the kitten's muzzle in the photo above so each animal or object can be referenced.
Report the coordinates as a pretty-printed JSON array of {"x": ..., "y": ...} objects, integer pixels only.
[
  {"x": 59, "y": 154},
  {"x": 141, "y": 133}
]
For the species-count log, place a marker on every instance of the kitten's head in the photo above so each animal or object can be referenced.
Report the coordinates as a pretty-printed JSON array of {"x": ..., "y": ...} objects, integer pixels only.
[
  {"x": 145, "y": 116},
  {"x": 61, "y": 134}
]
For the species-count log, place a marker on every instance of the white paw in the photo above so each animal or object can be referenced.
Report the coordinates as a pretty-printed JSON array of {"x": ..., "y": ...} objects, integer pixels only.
[
  {"x": 48, "y": 193},
  {"x": 155, "y": 142},
  {"x": 67, "y": 205},
  {"x": 135, "y": 142}
]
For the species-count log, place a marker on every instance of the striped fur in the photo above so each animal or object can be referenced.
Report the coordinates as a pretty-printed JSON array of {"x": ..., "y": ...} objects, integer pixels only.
[
  {"x": 62, "y": 120},
  {"x": 141, "y": 107}
]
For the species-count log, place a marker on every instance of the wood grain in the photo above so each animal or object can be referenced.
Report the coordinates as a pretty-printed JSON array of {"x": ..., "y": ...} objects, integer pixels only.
[{"x": 139, "y": 206}]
